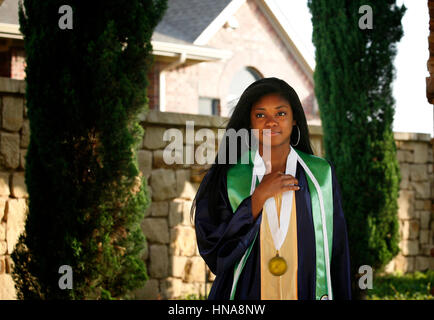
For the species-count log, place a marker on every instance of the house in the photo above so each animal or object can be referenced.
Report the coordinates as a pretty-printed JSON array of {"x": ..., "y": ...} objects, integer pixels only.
[{"x": 206, "y": 53}]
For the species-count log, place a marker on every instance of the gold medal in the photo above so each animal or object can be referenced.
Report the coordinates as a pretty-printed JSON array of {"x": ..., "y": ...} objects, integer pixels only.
[{"x": 277, "y": 265}]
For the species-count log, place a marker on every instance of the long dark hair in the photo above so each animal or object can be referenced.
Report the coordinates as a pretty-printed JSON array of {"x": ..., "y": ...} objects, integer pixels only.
[{"x": 240, "y": 119}]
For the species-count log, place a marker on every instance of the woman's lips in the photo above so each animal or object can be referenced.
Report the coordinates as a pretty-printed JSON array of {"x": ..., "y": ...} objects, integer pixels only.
[{"x": 270, "y": 133}]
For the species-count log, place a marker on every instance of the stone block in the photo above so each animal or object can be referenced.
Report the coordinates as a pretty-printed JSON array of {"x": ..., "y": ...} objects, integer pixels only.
[
  {"x": 424, "y": 237},
  {"x": 421, "y": 264},
  {"x": 405, "y": 175},
  {"x": 25, "y": 134},
  {"x": 178, "y": 266},
  {"x": 421, "y": 152},
  {"x": 187, "y": 219},
  {"x": 405, "y": 204},
  {"x": 390, "y": 267},
  {"x": 163, "y": 184},
  {"x": 404, "y": 264},
  {"x": 423, "y": 205},
  {"x": 145, "y": 253},
  {"x": 156, "y": 230},
  {"x": 23, "y": 153},
  {"x": 422, "y": 189},
  {"x": 410, "y": 247},
  {"x": 150, "y": 291},
  {"x": 198, "y": 173},
  {"x": 182, "y": 177},
  {"x": 2, "y": 208},
  {"x": 184, "y": 188},
  {"x": 3, "y": 247},
  {"x": 12, "y": 113},
  {"x": 2, "y": 230},
  {"x": 182, "y": 241},
  {"x": 154, "y": 138},
  {"x": 9, "y": 264},
  {"x": 158, "y": 261},
  {"x": 160, "y": 209},
  {"x": 18, "y": 184},
  {"x": 419, "y": 172},
  {"x": 4, "y": 184},
  {"x": 173, "y": 159},
  {"x": 16, "y": 211},
  {"x": 171, "y": 288},
  {"x": 176, "y": 209},
  {"x": 12, "y": 86},
  {"x": 7, "y": 287},
  {"x": 2, "y": 265},
  {"x": 211, "y": 276},
  {"x": 410, "y": 229},
  {"x": 10, "y": 150},
  {"x": 195, "y": 270},
  {"x": 404, "y": 156},
  {"x": 425, "y": 217},
  {"x": 144, "y": 159}
]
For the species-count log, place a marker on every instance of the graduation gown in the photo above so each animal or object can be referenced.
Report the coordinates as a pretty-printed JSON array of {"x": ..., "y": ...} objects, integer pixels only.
[{"x": 222, "y": 245}]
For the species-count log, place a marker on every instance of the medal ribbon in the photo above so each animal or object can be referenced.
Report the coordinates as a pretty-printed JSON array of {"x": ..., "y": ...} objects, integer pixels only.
[
  {"x": 321, "y": 192},
  {"x": 279, "y": 229}
]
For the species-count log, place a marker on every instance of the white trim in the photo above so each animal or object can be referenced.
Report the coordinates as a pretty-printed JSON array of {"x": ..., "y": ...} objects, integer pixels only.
[
  {"x": 193, "y": 52},
  {"x": 162, "y": 85},
  {"x": 218, "y": 22},
  {"x": 160, "y": 48},
  {"x": 12, "y": 31}
]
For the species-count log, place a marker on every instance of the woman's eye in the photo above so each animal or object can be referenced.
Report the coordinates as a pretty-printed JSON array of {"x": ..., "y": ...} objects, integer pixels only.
[
  {"x": 281, "y": 113},
  {"x": 259, "y": 115}
]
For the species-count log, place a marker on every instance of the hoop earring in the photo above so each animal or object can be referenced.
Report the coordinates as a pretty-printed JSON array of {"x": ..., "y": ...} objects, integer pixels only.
[{"x": 298, "y": 140}]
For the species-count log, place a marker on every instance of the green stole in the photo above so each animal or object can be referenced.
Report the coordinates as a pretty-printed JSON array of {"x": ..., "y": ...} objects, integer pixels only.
[{"x": 239, "y": 179}]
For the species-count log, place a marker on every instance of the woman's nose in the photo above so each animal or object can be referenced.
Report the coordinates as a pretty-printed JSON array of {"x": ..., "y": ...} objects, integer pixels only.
[{"x": 271, "y": 122}]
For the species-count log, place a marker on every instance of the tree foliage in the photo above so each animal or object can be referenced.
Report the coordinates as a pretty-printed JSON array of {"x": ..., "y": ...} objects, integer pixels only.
[
  {"x": 85, "y": 88},
  {"x": 353, "y": 84}
]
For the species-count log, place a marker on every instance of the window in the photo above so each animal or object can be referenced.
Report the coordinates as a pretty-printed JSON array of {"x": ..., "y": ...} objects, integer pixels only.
[
  {"x": 209, "y": 106},
  {"x": 241, "y": 80}
]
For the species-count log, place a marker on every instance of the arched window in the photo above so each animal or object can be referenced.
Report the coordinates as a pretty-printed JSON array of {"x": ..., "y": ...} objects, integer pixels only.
[{"x": 240, "y": 81}]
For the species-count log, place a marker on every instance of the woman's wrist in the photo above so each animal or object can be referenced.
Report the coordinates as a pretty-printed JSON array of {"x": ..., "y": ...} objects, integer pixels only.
[{"x": 257, "y": 203}]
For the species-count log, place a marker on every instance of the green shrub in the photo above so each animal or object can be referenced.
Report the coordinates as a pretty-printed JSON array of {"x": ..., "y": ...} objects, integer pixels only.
[
  {"x": 85, "y": 88},
  {"x": 412, "y": 286},
  {"x": 353, "y": 84}
]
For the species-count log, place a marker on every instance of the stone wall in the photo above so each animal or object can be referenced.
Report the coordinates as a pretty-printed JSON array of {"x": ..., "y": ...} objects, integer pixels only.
[
  {"x": 174, "y": 266},
  {"x": 416, "y": 203},
  {"x": 14, "y": 139}
]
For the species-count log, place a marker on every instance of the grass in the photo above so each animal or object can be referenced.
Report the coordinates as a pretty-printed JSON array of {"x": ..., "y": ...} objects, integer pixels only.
[{"x": 398, "y": 286}]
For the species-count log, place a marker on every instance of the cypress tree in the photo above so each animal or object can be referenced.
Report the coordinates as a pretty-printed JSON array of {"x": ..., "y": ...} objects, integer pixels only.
[
  {"x": 353, "y": 84},
  {"x": 85, "y": 89}
]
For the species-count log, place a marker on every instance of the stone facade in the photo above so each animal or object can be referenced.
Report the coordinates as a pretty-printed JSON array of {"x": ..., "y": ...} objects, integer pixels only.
[{"x": 173, "y": 262}]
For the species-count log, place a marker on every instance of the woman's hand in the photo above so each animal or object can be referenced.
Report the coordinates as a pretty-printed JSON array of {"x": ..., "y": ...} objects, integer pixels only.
[{"x": 271, "y": 184}]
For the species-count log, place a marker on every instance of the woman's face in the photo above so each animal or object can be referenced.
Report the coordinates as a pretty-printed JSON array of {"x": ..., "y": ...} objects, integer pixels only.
[{"x": 273, "y": 112}]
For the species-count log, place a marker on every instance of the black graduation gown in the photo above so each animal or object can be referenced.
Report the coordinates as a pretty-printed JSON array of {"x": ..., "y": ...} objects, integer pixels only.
[{"x": 223, "y": 245}]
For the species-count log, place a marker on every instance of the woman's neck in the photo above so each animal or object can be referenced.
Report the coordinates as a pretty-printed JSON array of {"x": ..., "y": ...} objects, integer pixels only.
[{"x": 278, "y": 154}]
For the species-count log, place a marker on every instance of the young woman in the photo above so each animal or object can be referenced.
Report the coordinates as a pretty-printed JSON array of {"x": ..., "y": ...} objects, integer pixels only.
[{"x": 272, "y": 227}]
